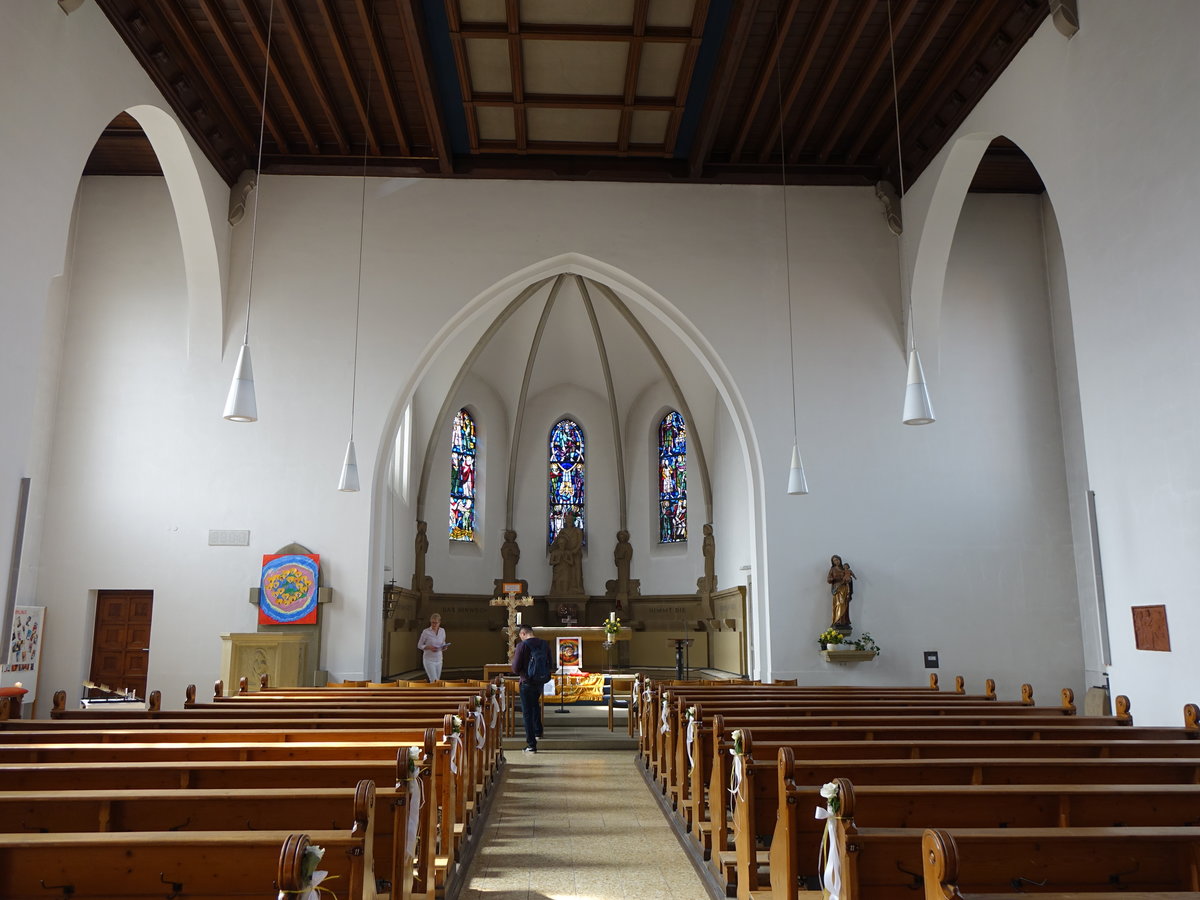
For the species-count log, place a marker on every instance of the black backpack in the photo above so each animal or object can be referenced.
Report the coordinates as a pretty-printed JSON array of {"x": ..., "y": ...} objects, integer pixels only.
[{"x": 537, "y": 669}]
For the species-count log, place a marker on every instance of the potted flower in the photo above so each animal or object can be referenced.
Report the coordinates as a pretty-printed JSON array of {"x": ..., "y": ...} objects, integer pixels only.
[{"x": 829, "y": 637}]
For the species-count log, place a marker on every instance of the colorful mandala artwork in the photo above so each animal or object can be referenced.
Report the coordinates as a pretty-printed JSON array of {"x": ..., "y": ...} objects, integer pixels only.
[{"x": 288, "y": 589}]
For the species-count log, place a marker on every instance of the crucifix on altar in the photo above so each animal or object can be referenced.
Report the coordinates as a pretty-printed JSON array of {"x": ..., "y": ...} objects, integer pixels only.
[{"x": 512, "y": 601}]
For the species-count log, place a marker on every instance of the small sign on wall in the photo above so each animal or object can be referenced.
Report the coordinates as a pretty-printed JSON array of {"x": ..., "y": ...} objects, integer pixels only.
[
  {"x": 931, "y": 659},
  {"x": 1150, "y": 628}
]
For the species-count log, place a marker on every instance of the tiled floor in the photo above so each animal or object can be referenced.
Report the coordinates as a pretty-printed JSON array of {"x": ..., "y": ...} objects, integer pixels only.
[{"x": 578, "y": 825}]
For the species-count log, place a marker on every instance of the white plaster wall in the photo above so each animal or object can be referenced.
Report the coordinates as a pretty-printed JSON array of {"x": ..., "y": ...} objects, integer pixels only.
[
  {"x": 66, "y": 77},
  {"x": 1109, "y": 118},
  {"x": 899, "y": 503}
]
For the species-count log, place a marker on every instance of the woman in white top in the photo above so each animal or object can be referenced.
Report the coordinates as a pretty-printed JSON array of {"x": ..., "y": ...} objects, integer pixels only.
[{"x": 432, "y": 641}]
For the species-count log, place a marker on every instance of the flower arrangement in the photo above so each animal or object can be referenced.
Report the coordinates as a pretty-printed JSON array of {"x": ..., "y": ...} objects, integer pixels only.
[
  {"x": 612, "y": 626},
  {"x": 456, "y": 724},
  {"x": 689, "y": 714},
  {"x": 831, "y": 637},
  {"x": 829, "y": 791},
  {"x": 737, "y": 742}
]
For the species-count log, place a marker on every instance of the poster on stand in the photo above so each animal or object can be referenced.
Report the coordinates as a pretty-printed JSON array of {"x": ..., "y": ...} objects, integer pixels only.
[
  {"x": 570, "y": 655},
  {"x": 24, "y": 650}
]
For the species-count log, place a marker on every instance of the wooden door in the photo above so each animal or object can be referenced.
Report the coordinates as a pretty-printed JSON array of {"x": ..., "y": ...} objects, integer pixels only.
[{"x": 121, "y": 645}]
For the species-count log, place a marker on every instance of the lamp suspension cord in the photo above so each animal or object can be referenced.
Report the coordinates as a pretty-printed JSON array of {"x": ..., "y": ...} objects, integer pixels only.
[
  {"x": 904, "y": 292},
  {"x": 787, "y": 244},
  {"x": 362, "y": 217},
  {"x": 262, "y": 122}
]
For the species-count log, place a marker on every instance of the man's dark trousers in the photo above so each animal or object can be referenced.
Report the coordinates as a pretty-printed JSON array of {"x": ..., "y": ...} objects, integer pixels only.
[{"x": 531, "y": 712}]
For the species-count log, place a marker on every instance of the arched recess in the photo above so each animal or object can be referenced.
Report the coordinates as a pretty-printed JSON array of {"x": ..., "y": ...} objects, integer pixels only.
[
  {"x": 484, "y": 307},
  {"x": 931, "y": 254},
  {"x": 198, "y": 229}
]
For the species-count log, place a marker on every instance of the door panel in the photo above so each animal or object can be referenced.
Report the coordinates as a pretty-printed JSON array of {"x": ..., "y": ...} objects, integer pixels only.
[{"x": 121, "y": 645}]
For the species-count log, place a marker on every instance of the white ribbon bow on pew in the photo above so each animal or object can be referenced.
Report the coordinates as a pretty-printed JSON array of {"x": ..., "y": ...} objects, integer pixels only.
[
  {"x": 665, "y": 721},
  {"x": 691, "y": 735},
  {"x": 497, "y": 706},
  {"x": 831, "y": 876},
  {"x": 455, "y": 750},
  {"x": 415, "y": 802},
  {"x": 736, "y": 775},
  {"x": 480, "y": 732}
]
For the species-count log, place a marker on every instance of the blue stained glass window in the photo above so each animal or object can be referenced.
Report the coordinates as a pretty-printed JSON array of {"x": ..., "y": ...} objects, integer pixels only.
[
  {"x": 672, "y": 479},
  {"x": 462, "y": 477},
  {"x": 566, "y": 476}
]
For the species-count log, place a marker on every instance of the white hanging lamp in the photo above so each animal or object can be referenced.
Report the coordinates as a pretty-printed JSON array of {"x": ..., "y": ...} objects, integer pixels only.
[
  {"x": 797, "y": 483},
  {"x": 348, "y": 482},
  {"x": 918, "y": 410},
  {"x": 240, "y": 403}
]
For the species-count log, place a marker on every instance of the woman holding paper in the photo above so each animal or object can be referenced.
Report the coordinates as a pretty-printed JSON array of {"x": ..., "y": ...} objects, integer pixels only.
[{"x": 432, "y": 642}]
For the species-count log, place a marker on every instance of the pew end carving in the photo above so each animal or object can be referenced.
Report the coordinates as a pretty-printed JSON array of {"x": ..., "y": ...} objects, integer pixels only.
[
  {"x": 263, "y": 680},
  {"x": 939, "y": 864},
  {"x": 960, "y": 685},
  {"x": 1122, "y": 714},
  {"x": 189, "y": 694},
  {"x": 154, "y": 701},
  {"x": 989, "y": 688},
  {"x": 1191, "y": 717},
  {"x": 933, "y": 681},
  {"x": 1068, "y": 700},
  {"x": 218, "y": 689},
  {"x": 243, "y": 685},
  {"x": 59, "y": 702},
  {"x": 1027, "y": 695}
]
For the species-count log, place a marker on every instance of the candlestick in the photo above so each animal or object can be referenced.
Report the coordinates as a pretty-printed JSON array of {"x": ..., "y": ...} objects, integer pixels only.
[{"x": 612, "y": 616}]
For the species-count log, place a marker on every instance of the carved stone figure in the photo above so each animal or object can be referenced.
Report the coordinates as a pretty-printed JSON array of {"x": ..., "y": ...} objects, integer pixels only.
[
  {"x": 510, "y": 555},
  {"x": 622, "y": 587},
  {"x": 421, "y": 583},
  {"x": 841, "y": 586},
  {"x": 566, "y": 559},
  {"x": 708, "y": 584}
]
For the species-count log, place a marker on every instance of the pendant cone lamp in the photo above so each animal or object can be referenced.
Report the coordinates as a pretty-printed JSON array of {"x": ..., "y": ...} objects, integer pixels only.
[
  {"x": 348, "y": 482},
  {"x": 797, "y": 482},
  {"x": 918, "y": 410},
  {"x": 240, "y": 403}
]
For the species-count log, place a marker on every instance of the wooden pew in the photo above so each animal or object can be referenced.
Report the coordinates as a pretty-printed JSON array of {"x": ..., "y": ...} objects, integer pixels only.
[
  {"x": 865, "y": 811},
  {"x": 984, "y": 858},
  {"x": 202, "y": 864}
]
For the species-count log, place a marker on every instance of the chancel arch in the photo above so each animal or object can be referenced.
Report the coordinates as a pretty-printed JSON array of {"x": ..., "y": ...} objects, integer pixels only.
[{"x": 576, "y": 348}]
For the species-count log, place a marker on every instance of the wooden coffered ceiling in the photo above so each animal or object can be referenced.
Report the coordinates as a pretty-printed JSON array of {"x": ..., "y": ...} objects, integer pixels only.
[{"x": 619, "y": 90}]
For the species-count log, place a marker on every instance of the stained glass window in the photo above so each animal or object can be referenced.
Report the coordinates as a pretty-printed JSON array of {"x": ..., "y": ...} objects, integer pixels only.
[
  {"x": 672, "y": 479},
  {"x": 566, "y": 476},
  {"x": 462, "y": 477}
]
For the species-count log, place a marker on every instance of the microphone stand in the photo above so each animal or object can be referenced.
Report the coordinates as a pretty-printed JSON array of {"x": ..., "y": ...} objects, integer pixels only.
[{"x": 562, "y": 695}]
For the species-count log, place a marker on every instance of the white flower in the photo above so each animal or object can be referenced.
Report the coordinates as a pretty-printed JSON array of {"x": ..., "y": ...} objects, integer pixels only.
[{"x": 829, "y": 790}]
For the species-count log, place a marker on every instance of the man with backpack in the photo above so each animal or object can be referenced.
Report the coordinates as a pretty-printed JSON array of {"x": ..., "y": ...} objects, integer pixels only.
[{"x": 531, "y": 660}]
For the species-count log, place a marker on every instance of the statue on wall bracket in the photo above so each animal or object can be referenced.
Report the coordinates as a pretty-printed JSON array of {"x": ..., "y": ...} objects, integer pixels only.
[
  {"x": 510, "y": 555},
  {"x": 841, "y": 586}
]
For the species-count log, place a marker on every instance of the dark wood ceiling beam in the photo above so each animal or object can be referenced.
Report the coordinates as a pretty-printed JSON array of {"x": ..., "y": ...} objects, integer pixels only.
[
  {"x": 880, "y": 55},
  {"x": 633, "y": 64},
  {"x": 946, "y": 61},
  {"x": 575, "y": 168},
  {"x": 251, "y": 83},
  {"x": 414, "y": 43},
  {"x": 516, "y": 74},
  {"x": 173, "y": 23},
  {"x": 732, "y": 51},
  {"x": 812, "y": 43},
  {"x": 337, "y": 40},
  {"x": 463, "y": 67},
  {"x": 767, "y": 70},
  {"x": 833, "y": 75},
  {"x": 686, "y": 68},
  {"x": 769, "y": 67},
  {"x": 531, "y": 32},
  {"x": 258, "y": 33},
  {"x": 578, "y": 101},
  {"x": 315, "y": 78},
  {"x": 383, "y": 78}
]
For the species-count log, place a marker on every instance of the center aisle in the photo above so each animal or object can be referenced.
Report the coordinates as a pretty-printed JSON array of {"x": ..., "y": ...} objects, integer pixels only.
[{"x": 578, "y": 825}]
